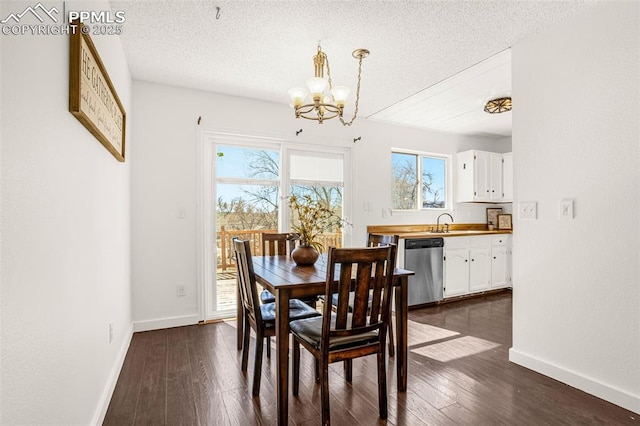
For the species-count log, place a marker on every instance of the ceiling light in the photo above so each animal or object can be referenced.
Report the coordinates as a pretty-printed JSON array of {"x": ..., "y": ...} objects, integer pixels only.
[
  {"x": 496, "y": 106},
  {"x": 325, "y": 105}
]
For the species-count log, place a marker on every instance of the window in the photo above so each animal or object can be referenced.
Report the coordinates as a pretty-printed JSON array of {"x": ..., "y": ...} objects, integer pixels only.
[{"x": 419, "y": 181}]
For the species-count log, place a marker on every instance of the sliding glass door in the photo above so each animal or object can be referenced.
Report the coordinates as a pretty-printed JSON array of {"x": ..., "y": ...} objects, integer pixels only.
[{"x": 250, "y": 182}]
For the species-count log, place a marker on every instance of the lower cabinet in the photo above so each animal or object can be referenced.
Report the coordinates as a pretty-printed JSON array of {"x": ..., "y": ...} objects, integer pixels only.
[
  {"x": 474, "y": 264},
  {"x": 456, "y": 271}
]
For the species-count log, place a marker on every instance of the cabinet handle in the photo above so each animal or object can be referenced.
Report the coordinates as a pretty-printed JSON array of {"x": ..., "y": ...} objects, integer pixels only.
[
  {"x": 494, "y": 257},
  {"x": 466, "y": 260}
]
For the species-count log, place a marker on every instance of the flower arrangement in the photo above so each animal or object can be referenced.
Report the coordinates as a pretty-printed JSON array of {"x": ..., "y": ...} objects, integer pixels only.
[{"x": 310, "y": 219}]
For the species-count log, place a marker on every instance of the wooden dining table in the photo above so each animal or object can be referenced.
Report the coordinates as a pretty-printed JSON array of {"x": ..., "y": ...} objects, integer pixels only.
[{"x": 282, "y": 277}]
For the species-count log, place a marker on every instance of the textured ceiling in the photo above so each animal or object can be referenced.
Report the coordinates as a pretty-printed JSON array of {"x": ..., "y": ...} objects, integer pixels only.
[{"x": 260, "y": 49}]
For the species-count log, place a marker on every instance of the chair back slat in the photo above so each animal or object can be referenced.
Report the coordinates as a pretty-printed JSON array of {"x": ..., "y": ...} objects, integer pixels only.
[
  {"x": 361, "y": 272},
  {"x": 278, "y": 244},
  {"x": 247, "y": 279}
]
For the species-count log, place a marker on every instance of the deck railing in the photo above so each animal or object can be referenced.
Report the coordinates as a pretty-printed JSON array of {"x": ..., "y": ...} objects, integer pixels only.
[{"x": 225, "y": 240}]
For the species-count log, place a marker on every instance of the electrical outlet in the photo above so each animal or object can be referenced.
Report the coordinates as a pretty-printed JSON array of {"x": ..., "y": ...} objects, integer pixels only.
[
  {"x": 181, "y": 291},
  {"x": 110, "y": 332}
]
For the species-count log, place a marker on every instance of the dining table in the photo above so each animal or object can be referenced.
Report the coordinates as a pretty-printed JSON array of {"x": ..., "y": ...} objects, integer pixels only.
[{"x": 286, "y": 280}]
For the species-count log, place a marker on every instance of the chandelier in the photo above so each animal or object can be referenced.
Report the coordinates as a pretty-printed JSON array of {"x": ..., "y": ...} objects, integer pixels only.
[
  {"x": 323, "y": 105},
  {"x": 497, "y": 106}
]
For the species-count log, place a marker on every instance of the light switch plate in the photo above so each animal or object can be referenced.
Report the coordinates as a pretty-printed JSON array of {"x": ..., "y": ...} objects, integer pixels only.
[
  {"x": 527, "y": 210},
  {"x": 566, "y": 209}
]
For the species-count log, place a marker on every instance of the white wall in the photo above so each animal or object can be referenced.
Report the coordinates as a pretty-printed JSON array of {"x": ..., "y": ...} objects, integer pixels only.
[
  {"x": 65, "y": 229},
  {"x": 164, "y": 181},
  {"x": 576, "y": 136}
]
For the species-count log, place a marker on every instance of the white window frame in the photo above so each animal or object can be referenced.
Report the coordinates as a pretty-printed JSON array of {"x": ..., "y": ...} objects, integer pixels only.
[{"x": 448, "y": 182}]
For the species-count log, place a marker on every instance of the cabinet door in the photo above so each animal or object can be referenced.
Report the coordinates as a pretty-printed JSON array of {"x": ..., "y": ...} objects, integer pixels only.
[
  {"x": 465, "y": 177},
  {"x": 482, "y": 175},
  {"x": 499, "y": 273},
  {"x": 507, "y": 177},
  {"x": 456, "y": 272},
  {"x": 479, "y": 269},
  {"x": 495, "y": 177}
]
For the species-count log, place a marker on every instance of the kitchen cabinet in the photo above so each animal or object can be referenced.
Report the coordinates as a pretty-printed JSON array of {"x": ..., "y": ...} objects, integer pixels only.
[
  {"x": 475, "y": 264},
  {"x": 501, "y": 261},
  {"x": 479, "y": 269},
  {"x": 507, "y": 177},
  {"x": 456, "y": 271},
  {"x": 480, "y": 177}
]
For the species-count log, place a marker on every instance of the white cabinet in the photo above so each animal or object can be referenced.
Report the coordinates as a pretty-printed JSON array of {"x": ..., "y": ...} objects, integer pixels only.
[
  {"x": 456, "y": 271},
  {"x": 475, "y": 264},
  {"x": 507, "y": 177},
  {"x": 501, "y": 261},
  {"x": 480, "y": 177},
  {"x": 479, "y": 269}
]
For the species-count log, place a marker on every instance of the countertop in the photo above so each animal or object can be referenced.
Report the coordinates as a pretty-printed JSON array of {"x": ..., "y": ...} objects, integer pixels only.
[{"x": 423, "y": 231}]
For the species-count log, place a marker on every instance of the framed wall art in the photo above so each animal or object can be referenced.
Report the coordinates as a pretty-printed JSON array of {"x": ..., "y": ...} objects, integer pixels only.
[
  {"x": 492, "y": 215},
  {"x": 92, "y": 98},
  {"x": 504, "y": 221}
]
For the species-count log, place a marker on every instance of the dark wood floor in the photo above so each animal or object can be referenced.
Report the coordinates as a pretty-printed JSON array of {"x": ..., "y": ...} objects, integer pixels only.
[{"x": 459, "y": 374}]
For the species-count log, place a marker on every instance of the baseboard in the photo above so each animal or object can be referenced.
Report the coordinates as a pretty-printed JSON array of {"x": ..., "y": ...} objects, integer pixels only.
[
  {"x": 168, "y": 322},
  {"x": 578, "y": 381},
  {"x": 101, "y": 412}
]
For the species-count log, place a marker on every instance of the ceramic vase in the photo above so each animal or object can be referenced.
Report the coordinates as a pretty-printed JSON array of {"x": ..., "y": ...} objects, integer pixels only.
[{"x": 305, "y": 255}]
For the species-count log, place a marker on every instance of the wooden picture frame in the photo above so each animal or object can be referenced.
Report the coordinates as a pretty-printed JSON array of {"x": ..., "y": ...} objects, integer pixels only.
[
  {"x": 492, "y": 215},
  {"x": 504, "y": 222},
  {"x": 92, "y": 98}
]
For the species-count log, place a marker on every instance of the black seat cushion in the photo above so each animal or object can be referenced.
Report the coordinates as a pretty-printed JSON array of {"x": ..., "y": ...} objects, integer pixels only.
[
  {"x": 267, "y": 297},
  {"x": 297, "y": 310},
  {"x": 310, "y": 330},
  {"x": 334, "y": 299}
]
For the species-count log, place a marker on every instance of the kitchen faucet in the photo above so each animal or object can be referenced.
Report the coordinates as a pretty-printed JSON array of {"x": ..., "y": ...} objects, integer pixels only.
[{"x": 446, "y": 224}]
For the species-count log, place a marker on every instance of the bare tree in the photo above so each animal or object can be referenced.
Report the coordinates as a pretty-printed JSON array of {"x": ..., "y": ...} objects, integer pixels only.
[{"x": 404, "y": 184}]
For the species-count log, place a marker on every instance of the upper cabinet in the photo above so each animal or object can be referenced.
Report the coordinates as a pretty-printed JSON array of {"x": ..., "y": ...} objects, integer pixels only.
[
  {"x": 484, "y": 177},
  {"x": 507, "y": 177}
]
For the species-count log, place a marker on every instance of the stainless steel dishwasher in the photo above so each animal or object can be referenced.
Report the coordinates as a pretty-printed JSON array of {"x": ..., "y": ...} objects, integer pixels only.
[{"x": 424, "y": 256}]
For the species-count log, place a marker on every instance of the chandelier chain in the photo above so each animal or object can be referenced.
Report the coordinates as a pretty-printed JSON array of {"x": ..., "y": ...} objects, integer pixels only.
[{"x": 355, "y": 112}]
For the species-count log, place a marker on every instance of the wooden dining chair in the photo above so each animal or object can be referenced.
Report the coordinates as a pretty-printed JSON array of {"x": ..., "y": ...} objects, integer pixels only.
[
  {"x": 274, "y": 245},
  {"x": 349, "y": 333},
  {"x": 377, "y": 240},
  {"x": 260, "y": 317}
]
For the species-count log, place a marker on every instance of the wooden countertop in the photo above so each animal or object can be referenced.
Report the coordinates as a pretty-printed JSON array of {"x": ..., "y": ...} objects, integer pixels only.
[{"x": 424, "y": 231}]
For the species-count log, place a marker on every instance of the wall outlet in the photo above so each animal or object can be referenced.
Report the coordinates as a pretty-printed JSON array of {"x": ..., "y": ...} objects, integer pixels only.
[
  {"x": 181, "y": 291},
  {"x": 110, "y": 332}
]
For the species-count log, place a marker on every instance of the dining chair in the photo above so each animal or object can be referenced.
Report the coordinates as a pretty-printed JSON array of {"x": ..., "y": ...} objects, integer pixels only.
[
  {"x": 260, "y": 317},
  {"x": 376, "y": 240},
  {"x": 345, "y": 333},
  {"x": 275, "y": 245}
]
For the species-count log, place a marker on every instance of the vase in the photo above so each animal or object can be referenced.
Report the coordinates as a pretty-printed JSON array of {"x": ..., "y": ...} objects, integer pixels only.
[{"x": 305, "y": 255}]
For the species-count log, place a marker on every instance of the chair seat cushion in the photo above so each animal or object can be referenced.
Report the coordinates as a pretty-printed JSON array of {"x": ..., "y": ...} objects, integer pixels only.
[
  {"x": 267, "y": 297},
  {"x": 334, "y": 299},
  {"x": 310, "y": 330},
  {"x": 297, "y": 310}
]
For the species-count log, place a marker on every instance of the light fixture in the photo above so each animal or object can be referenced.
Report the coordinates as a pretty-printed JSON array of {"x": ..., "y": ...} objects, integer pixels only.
[
  {"x": 496, "y": 106},
  {"x": 325, "y": 106}
]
